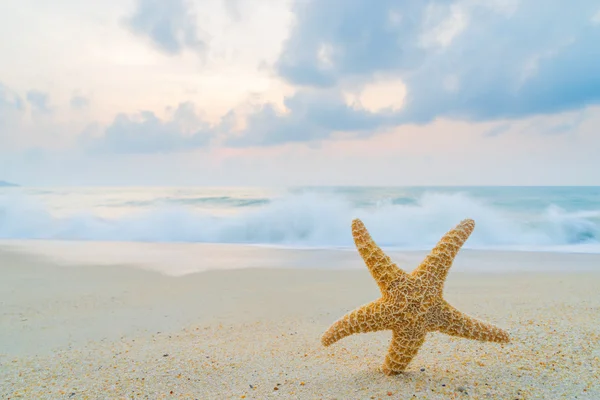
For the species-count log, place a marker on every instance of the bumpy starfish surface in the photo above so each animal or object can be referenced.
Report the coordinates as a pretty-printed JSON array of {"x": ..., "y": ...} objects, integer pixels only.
[{"x": 411, "y": 305}]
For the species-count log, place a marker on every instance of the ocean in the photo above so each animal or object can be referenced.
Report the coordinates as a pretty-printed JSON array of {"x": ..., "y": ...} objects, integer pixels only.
[{"x": 560, "y": 219}]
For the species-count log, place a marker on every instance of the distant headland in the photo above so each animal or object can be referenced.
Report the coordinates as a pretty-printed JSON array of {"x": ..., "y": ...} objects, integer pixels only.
[{"x": 7, "y": 184}]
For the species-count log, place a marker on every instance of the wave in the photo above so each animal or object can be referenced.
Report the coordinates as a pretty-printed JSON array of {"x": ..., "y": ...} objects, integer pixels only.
[
  {"x": 311, "y": 220},
  {"x": 220, "y": 201}
]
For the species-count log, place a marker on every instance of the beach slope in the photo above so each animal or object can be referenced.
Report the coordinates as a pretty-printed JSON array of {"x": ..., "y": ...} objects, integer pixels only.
[{"x": 116, "y": 331}]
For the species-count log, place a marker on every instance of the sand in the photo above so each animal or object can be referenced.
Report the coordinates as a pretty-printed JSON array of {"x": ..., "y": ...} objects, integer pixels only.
[{"x": 75, "y": 330}]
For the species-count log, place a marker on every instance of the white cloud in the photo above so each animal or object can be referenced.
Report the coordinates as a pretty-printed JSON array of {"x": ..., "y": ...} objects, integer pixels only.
[
  {"x": 324, "y": 55},
  {"x": 473, "y": 54},
  {"x": 382, "y": 94},
  {"x": 394, "y": 18},
  {"x": 70, "y": 46},
  {"x": 443, "y": 24},
  {"x": 144, "y": 132},
  {"x": 596, "y": 17},
  {"x": 443, "y": 152},
  {"x": 504, "y": 7}
]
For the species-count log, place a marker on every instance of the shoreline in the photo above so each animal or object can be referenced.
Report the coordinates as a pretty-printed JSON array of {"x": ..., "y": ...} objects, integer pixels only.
[
  {"x": 199, "y": 257},
  {"x": 94, "y": 331}
]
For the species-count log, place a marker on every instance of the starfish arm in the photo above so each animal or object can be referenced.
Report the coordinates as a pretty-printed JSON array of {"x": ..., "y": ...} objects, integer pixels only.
[
  {"x": 455, "y": 323},
  {"x": 403, "y": 348},
  {"x": 368, "y": 318},
  {"x": 380, "y": 265},
  {"x": 436, "y": 265}
]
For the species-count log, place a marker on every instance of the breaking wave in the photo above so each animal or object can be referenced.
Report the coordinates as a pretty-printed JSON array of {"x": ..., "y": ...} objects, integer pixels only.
[{"x": 309, "y": 220}]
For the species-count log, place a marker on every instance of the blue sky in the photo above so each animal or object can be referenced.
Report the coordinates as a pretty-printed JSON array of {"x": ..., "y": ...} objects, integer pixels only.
[{"x": 248, "y": 92}]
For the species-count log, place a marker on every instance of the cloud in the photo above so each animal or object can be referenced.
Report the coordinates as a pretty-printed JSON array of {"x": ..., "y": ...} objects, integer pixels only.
[
  {"x": 567, "y": 126},
  {"x": 310, "y": 116},
  {"x": 79, "y": 102},
  {"x": 19, "y": 128},
  {"x": 339, "y": 38},
  {"x": 10, "y": 104},
  {"x": 465, "y": 59},
  {"x": 233, "y": 9},
  {"x": 170, "y": 25},
  {"x": 11, "y": 112},
  {"x": 497, "y": 130},
  {"x": 569, "y": 122},
  {"x": 39, "y": 101},
  {"x": 559, "y": 124},
  {"x": 146, "y": 133}
]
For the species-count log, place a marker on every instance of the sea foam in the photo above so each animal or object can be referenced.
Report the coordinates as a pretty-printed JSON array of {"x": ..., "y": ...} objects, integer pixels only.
[{"x": 311, "y": 219}]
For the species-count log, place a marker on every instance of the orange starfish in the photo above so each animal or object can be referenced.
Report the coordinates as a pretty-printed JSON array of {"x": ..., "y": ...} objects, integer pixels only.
[{"x": 411, "y": 304}]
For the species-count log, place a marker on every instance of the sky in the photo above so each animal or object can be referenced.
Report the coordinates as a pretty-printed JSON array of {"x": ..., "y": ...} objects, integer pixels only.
[{"x": 282, "y": 92}]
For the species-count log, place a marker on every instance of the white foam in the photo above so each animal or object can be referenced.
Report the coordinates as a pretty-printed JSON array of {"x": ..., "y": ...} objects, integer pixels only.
[{"x": 313, "y": 220}]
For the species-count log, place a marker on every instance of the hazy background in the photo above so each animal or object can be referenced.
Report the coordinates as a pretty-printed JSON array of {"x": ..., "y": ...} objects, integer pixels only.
[{"x": 248, "y": 92}]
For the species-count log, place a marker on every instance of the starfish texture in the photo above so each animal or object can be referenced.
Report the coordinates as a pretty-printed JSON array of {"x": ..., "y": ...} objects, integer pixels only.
[{"x": 411, "y": 305}]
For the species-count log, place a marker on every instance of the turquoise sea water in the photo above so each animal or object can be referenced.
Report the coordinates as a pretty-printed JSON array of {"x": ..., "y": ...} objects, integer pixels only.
[{"x": 521, "y": 218}]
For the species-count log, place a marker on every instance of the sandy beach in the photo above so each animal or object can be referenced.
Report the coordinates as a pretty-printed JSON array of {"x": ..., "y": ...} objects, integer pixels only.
[{"x": 95, "y": 328}]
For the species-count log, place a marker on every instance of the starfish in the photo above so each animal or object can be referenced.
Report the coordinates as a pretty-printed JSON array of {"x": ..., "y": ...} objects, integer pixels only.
[{"x": 411, "y": 305}]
